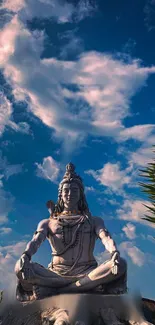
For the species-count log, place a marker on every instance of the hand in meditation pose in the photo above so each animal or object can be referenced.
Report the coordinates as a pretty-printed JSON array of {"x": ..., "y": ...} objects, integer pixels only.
[{"x": 71, "y": 231}]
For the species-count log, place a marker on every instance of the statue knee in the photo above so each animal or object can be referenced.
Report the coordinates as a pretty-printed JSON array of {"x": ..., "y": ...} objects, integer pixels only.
[
  {"x": 122, "y": 265},
  {"x": 18, "y": 270}
]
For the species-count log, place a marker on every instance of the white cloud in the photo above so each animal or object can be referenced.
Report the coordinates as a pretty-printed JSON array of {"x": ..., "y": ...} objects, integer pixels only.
[
  {"x": 6, "y": 119},
  {"x": 134, "y": 211},
  {"x": 148, "y": 237},
  {"x": 14, "y": 6},
  {"x": 7, "y": 169},
  {"x": 6, "y": 203},
  {"x": 142, "y": 156},
  {"x": 14, "y": 250},
  {"x": 8, "y": 257},
  {"x": 5, "y": 112},
  {"x": 6, "y": 199},
  {"x": 130, "y": 231},
  {"x": 5, "y": 230},
  {"x": 102, "y": 257},
  {"x": 89, "y": 189},
  {"x": 59, "y": 10},
  {"x": 137, "y": 256},
  {"x": 13, "y": 170},
  {"x": 139, "y": 132},
  {"x": 111, "y": 176},
  {"x": 49, "y": 169},
  {"x": 104, "y": 84}
]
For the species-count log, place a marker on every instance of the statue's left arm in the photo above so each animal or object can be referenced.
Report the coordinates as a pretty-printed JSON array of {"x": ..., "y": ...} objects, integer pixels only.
[{"x": 104, "y": 236}]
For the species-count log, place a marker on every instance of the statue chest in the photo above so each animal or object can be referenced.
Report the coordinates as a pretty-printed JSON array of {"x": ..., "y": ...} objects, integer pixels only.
[{"x": 60, "y": 236}]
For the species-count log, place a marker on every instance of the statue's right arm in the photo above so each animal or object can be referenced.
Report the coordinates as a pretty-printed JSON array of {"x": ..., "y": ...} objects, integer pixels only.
[{"x": 37, "y": 239}]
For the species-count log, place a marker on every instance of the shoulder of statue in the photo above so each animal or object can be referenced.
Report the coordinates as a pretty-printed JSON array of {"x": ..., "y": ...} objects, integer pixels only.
[
  {"x": 43, "y": 224},
  {"x": 98, "y": 221}
]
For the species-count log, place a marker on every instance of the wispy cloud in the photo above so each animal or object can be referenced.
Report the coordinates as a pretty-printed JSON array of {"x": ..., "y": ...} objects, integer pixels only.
[
  {"x": 142, "y": 156},
  {"x": 137, "y": 256},
  {"x": 149, "y": 11},
  {"x": 6, "y": 119},
  {"x": 5, "y": 112},
  {"x": 8, "y": 169},
  {"x": 49, "y": 169},
  {"x": 89, "y": 189},
  {"x": 134, "y": 211},
  {"x": 5, "y": 230},
  {"x": 61, "y": 11},
  {"x": 138, "y": 132},
  {"x": 130, "y": 231},
  {"x": 6, "y": 204},
  {"x": 72, "y": 44}
]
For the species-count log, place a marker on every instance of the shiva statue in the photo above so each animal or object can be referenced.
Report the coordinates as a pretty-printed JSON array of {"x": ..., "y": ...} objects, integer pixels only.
[{"x": 72, "y": 232}]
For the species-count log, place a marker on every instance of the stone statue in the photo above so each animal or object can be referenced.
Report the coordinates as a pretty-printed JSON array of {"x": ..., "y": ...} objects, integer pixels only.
[{"x": 71, "y": 231}]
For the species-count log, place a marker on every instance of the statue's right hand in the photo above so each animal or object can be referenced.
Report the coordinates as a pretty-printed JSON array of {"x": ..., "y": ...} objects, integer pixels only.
[{"x": 26, "y": 267}]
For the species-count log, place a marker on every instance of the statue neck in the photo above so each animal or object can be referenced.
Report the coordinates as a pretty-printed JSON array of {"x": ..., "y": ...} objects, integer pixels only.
[{"x": 71, "y": 211}]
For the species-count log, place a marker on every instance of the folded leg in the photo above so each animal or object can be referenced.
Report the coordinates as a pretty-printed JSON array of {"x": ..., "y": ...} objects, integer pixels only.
[
  {"x": 42, "y": 277},
  {"x": 102, "y": 275}
]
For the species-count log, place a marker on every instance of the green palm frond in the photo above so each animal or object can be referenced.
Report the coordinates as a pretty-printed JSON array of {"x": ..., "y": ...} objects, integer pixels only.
[{"x": 148, "y": 188}]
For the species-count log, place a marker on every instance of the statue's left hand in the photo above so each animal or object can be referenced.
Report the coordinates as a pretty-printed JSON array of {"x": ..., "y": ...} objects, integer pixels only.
[{"x": 115, "y": 261}]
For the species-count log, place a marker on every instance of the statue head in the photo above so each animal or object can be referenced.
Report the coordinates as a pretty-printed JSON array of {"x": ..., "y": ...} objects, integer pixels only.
[{"x": 71, "y": 192}]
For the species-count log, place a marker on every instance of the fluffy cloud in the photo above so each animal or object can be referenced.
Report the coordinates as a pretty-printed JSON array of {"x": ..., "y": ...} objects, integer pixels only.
[
  {"x": 134, "y": 211},
  {"x": 49, "y": 169},
  {"x": 8, "y": 257},
  {"x": 104, "y": 84},
  {"x": 130, "y": 231},
  {"x": 111, "y": 176},
  {"x": 137, "y": 256}
]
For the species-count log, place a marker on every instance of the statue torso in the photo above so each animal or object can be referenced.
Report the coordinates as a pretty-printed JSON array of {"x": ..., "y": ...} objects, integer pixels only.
[{"x": 72, "y": 240}]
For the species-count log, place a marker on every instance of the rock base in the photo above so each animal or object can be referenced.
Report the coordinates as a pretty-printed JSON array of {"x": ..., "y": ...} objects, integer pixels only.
[{"x": 77, "y": 309}]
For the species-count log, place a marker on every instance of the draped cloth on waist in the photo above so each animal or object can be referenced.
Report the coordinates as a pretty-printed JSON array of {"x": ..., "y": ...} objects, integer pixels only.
[{"x": 80, "y": 270}]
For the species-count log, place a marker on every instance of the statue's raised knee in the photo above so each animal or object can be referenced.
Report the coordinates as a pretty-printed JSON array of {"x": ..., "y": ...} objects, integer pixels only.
[{"x": 17, "y": 270}]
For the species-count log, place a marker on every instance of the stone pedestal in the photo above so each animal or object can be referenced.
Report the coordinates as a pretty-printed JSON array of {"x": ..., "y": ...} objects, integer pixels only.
[{"x": 77, "y": 309}]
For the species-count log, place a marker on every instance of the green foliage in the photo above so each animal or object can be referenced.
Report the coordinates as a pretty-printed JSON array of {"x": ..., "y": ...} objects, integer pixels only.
[{"x": 149, "y": 188}]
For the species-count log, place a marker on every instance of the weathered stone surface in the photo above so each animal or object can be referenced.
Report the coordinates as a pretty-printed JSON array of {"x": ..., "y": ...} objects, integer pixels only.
[{"x": 77, "y": 310}]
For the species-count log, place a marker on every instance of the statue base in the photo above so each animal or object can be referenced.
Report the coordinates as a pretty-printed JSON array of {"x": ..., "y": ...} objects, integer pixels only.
[{"x": 75, "y": 309}]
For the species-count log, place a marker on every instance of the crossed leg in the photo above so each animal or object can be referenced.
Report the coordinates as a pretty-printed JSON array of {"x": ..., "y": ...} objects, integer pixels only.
[
  {"x": 50, "y": 281},
  {"x": 102, "y": 274}
]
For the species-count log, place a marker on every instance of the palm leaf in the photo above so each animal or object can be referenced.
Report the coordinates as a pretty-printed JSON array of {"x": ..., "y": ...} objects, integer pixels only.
[{"x": 148, "y": 188}]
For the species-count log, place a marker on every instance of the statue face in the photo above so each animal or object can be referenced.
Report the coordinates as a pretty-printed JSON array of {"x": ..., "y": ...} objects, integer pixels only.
[{"x": 70, "y": 195}]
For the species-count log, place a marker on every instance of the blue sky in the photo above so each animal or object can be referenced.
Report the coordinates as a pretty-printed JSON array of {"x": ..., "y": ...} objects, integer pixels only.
[{"x": 77, "y": 84}]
